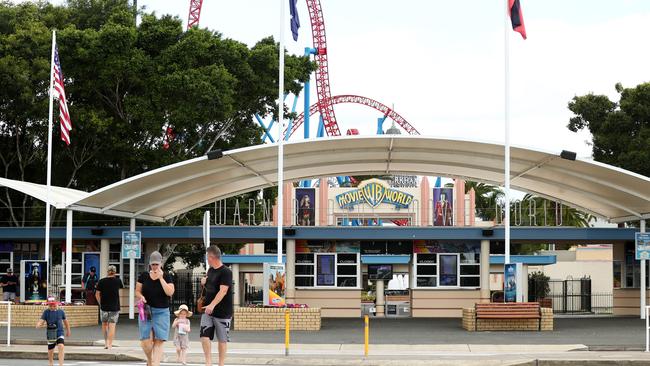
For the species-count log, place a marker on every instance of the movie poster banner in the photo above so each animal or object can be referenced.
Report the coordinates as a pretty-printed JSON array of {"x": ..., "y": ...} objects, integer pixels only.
[
  {"x": 443, "y": 206},
  {"x": 33, "y": 281},
  {"x": 306, "y": 206},
  {"x": 273, "y": 285},
  {"x": 327, "y": 246}
]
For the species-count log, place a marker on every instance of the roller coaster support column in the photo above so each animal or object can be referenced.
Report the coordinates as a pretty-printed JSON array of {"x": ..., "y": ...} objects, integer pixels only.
[{"x": 308, "y": 51}]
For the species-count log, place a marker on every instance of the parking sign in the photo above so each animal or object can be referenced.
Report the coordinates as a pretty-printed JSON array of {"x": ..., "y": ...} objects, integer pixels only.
[{"x": 131, "y": 244}]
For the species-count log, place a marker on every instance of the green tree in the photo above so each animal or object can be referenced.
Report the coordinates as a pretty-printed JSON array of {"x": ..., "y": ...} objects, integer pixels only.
[
  {"x": 125, "y": 86},
  {"x": 486, "y": 198},
  {"x": 620, "y": 130}
]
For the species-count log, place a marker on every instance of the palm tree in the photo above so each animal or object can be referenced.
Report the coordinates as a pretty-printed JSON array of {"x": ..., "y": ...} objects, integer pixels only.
[{"x": 487, "y": 197}]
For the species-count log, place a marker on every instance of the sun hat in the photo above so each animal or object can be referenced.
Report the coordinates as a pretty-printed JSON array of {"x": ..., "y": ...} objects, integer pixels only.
[
  {"x": 181, "y": 308},
  {"x": 51, "y": 300},
  {"x": 155, "y": 258}
]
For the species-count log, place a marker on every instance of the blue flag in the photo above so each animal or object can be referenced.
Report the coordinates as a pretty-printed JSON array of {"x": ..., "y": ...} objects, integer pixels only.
[{"x": 295, "y": 22}]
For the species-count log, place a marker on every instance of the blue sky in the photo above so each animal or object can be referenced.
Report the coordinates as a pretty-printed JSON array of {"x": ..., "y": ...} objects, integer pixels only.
[{"x": 441, "y": 62}]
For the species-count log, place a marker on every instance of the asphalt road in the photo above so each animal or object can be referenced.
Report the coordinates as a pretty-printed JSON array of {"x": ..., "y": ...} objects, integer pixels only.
[{"x": 604, "y": 331}]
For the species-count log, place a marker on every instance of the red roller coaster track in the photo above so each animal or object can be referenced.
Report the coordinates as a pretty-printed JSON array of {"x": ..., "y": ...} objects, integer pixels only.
[
  {"x": 340, "y": 99},
  {"x": 195, "y": 13},
  {"x": 325, "y": 104}
]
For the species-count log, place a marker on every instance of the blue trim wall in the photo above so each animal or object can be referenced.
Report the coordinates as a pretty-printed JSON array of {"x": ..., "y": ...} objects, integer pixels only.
[{"x": 258, "y": 233}]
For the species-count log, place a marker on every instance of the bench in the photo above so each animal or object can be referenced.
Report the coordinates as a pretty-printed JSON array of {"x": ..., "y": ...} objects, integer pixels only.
[{"x": 508, "y": 310}]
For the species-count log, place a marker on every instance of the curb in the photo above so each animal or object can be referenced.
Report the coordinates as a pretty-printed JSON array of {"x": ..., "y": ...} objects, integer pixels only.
[
  {"x": 76, "y": 356},
  {"x": 35, "y": 342}
]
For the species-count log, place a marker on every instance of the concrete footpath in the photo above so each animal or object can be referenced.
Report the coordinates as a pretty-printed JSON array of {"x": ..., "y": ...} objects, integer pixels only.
[{"x": 352, "y": 354}]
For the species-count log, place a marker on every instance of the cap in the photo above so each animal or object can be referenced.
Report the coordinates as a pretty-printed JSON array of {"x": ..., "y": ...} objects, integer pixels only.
[
  {"x": 155, "y": 258},
  {"x": 111, "y": 269},
  {"x": 93, "y": 269},
  {"x": 10, "y": 270},
  {"x": 51, "y": 300}
]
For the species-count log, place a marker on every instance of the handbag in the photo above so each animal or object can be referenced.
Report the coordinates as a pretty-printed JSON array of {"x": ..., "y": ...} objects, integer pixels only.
[{"x": 200, "y": 303}]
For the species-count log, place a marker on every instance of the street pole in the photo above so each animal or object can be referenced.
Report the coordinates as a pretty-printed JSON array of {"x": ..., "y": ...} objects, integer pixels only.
[{"x": 280, "y": 137}]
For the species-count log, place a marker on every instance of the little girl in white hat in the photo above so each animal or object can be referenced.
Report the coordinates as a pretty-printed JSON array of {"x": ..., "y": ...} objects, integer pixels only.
[{"x": 181, "y": 327}]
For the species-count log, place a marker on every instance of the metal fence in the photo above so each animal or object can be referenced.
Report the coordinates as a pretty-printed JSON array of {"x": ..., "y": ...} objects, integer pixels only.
[
  {"x": 571, "y": 296},
  {"x": 187, "y": 289}
]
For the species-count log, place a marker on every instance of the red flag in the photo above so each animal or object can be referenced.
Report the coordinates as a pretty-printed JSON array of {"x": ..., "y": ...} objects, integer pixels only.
[{"x": 517, "y": 17}]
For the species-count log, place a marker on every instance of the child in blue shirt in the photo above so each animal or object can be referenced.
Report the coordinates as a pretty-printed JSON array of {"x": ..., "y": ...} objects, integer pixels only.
[{"x": 54, "y": 320}]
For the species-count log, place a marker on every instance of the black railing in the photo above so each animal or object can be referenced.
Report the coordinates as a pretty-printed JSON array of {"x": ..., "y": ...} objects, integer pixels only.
[
  {"x": 187, "y": 289},
  {"x": 573, "y": 296}
]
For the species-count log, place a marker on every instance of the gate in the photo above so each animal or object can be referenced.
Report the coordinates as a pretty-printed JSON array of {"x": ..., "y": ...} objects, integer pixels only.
[
  {"x": 187, "y": 290},
  {"x": 567, "y": 296}
]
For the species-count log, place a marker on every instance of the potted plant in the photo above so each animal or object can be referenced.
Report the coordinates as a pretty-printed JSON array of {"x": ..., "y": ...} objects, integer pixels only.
[{"x": 539, "y": 289}]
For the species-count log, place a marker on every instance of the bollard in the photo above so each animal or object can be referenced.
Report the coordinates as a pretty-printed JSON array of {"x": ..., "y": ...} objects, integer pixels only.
[
  {"x": 286, "y": 332},
  {"x": 366, "y": 335}
]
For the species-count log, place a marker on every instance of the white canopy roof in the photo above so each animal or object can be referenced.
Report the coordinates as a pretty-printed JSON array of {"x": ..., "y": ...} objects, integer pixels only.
[
  {"x": 59, "y": 197},
  {"x": 606, "y": 191}
]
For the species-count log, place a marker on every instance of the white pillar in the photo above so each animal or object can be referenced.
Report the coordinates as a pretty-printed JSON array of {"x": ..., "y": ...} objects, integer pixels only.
[
  {"x": 132, "y": 278},
  {"x": 644, "y": 263},
  {"x": 237, "y": 283},
  {"x": 485, "y": 271},
  {"x": 68, "y": 257},
  {"x": 291, "y": 271},
  {"x": 104, "y": 254},
  {"x": 380, "y": 298}
]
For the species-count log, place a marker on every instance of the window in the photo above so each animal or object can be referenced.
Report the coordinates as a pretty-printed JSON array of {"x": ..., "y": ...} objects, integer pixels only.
[
  {"x": 447, "y": 270},
  {"x": 6, "y": 262},
  {"x": 327, "y": 270},
  {"x": 618, "y": 270},
  {"x": 115, "y": 257},
  {"x": 426, "y": 270}
]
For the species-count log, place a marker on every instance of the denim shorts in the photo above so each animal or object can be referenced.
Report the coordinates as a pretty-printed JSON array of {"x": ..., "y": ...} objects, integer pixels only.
[{"x": 159, "y": 323}]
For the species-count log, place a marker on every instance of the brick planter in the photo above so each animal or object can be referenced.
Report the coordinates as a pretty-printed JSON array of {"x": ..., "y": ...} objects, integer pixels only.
[
  {"x": 469, "y": 322},
  {"x": 28, "y": 315},
  {"x": 273, "y": 319}
]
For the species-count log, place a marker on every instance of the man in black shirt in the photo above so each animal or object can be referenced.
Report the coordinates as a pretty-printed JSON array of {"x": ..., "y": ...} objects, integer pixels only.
[
  {"x": 9, "y": 282},
  {"x": 219, "y": 311},
  {"x": 108, "y": 297}
]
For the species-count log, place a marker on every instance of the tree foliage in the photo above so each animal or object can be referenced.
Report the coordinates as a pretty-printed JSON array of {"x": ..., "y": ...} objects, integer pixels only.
[
  {"x": 125, "y": 85},
  {"x": 620, "y": 130}
]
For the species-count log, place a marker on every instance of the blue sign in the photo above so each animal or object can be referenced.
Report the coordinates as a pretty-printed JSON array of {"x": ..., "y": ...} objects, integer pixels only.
[
  {"x": 374, "y": 192},
  {"x": 642, "y": 246},
  {"x": 131, "y": 244}
]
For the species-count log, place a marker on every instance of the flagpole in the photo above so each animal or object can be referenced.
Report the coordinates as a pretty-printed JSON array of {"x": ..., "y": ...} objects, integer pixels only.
[
  {"x": 49, "y": 166},
  {"x": 280, "y": 137},
  {"x": 507, "y": 131}
]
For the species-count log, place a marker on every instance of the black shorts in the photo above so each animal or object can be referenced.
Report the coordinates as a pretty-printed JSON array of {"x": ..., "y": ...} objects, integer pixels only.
[{"x": 53, "y": 345}]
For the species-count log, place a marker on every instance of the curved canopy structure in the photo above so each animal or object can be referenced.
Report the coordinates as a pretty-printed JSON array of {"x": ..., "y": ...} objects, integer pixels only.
[{"x": 605, "y": 191}]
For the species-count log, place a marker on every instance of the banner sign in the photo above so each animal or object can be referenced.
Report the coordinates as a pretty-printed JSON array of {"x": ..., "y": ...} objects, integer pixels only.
[
  {"x": 374, "y": 192},
  {"x": 273, "y": 284},
  {"x": 513, "y": 284},
  {"x": 33, "y": 281},
  {"x": 642, "y": 246},
  {"x": 131, "y": 244}
]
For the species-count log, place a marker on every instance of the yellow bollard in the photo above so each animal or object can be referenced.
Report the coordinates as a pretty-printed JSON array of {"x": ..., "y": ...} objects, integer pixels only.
[
  {"x": 366, "y": 333},
  {"x": 286, "y": 332}
]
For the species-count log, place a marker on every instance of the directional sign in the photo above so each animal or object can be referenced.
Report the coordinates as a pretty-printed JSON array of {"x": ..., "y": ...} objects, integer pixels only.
[
  {"x": 642, "y": 246},
  {"x": 131, "y": 244}
]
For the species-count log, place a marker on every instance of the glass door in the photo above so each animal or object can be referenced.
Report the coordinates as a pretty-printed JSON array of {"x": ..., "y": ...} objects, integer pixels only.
[{"x": 448, "y": 270}]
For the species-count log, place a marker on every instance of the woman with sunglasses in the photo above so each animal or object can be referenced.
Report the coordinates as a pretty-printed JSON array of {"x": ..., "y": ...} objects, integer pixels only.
[{"x": 154, "y": 289}]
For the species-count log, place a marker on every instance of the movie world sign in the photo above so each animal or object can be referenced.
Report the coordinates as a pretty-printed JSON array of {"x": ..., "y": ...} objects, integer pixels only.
[{"x": 374, "y": 192}]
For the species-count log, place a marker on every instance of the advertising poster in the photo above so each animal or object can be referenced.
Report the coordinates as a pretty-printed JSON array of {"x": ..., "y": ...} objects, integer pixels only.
[
  {"x": 274, "y": 280},
  {"x": 306, "y": 201},
  {"x": 642, "y": 246},
  {"x": 33, "y": 281},
  {"x": 327, "y": 246},
  {"x": 443, "y": 207},
  {"x": 510, "y": 282},
  {"x": 92, "y": 260}
]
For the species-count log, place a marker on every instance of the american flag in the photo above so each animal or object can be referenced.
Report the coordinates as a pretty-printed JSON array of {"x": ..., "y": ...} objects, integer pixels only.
[{"x": 59, "y": 93}]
